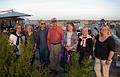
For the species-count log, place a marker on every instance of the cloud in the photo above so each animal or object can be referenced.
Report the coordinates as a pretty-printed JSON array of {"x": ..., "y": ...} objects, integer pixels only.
[{"x": 65, "y": 9}]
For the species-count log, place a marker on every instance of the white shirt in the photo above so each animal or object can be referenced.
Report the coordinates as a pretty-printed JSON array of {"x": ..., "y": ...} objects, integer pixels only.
[
  {"x": 69, "y": 35},
  {"x": 13, "y": 40}
]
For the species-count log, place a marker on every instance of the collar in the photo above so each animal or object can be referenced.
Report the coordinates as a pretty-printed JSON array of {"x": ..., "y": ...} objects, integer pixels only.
[{"x": 88, "y": 36}]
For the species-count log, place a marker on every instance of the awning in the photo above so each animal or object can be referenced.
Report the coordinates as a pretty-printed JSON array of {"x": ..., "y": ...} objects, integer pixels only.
[{"x": 13, "y": 15}]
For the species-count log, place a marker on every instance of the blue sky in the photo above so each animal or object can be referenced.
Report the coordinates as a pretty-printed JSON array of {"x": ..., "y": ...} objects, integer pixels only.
[{"x": 65, "y": 9}]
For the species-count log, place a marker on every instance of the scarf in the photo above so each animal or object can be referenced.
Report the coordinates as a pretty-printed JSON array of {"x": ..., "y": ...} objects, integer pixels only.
[{"x": 83, "y": 42}]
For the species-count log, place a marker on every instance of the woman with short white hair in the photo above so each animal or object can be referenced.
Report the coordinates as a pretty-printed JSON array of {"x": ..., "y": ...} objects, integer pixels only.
[{"x": 85, "y": 45}]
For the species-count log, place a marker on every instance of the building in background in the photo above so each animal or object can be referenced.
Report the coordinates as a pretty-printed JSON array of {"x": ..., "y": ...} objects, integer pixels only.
[{"x": 9, "y": 18}]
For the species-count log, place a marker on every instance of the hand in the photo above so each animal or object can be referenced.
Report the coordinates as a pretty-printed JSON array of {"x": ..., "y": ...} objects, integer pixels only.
[
  {"x": 69, "y": 48},
  {"x": 66, "y": 48},
  {"x": 108, "y": 62}
]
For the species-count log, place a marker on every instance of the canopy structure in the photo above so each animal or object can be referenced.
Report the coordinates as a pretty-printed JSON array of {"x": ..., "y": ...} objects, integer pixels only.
[
  {"x": 13, "y": 14},
  {"x": 9, "y": 18}
]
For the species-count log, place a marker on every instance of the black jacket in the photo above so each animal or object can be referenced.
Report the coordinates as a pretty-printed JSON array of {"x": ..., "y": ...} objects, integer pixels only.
[{"x": 88, "y": 47}]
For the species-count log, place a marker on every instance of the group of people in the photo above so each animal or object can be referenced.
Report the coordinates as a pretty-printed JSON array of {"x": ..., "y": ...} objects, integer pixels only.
[{"x": 53, "y": 46}]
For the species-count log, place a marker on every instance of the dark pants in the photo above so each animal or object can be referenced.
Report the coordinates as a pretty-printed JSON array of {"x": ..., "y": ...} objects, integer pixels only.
[
  {"x": 83, "y": 55},
  {"x": 41, "y": 56},
  {"x": 65, "y": 57},
  {"x": 44, "y": 56}
]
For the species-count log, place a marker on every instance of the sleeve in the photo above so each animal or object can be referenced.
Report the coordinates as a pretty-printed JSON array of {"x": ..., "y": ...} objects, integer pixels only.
[
  {"x": 90, "y": 48},
  {"x": 97, "y": 37},
  {"x": 35, "y": 37},
  {"x": 24, "y": 39},
  {"x": 62, "y": 32},
  {"x": 63, "y": 40},
  {"x": 111, "y": 44},
  {"x": 75, "y": 41},
  {"x": 48, "y": 38},
  {"x": 78, "y": 45}
]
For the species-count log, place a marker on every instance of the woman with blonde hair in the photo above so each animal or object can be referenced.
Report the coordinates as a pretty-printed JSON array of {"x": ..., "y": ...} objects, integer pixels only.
[
  {"x": 104, "y": 52},
  {"x": 30, "y": 39},
  {"x": 30, "y": 30},
  {"x": 105, "y": 27},
  {"x": 30, "y": 34}
]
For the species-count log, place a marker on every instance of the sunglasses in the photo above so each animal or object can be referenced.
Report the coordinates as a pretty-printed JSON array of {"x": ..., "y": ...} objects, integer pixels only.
[{"x": 42, "y": 23}]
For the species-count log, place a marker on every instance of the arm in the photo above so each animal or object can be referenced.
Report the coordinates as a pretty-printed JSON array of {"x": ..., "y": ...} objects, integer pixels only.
[
  {"x": 35, "y": 38},
  {"x": 48, "y": 39},
  {"x": 111, "y": 45},
  {"x": 111, "y": 54},
  {"x": 90, "y": 46},
  {"x": 60, "y": 30},
  {"x": 75, "y": 40},
  {"x": 94, "y": 38},
  {"x": 63, "y": 40}
]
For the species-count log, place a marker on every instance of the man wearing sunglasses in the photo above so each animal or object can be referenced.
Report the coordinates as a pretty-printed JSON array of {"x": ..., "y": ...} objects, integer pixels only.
[{"x": 41, "y": 44}]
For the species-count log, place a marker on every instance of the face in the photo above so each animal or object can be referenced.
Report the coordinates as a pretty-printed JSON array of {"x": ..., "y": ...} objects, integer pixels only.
[
  {"x": 69, "y": 27},
  {"x": 85, "y": 31},
  {"x": 19, "y": 29},
  {"x": 53, "y": 24},
  {"x": 105, "y": 30},
  {"x": 42, "y": 24},
  {"x": 29, "y": 29}
]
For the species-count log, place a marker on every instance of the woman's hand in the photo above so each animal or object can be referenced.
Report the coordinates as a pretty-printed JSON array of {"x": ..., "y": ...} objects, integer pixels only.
[
  {"x": 69, "y": 48},
  {"x": 108, "y": 62}
]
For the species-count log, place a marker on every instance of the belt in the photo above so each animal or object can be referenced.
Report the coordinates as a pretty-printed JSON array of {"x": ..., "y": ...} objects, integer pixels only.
[{"x": 55, "y": 43}]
